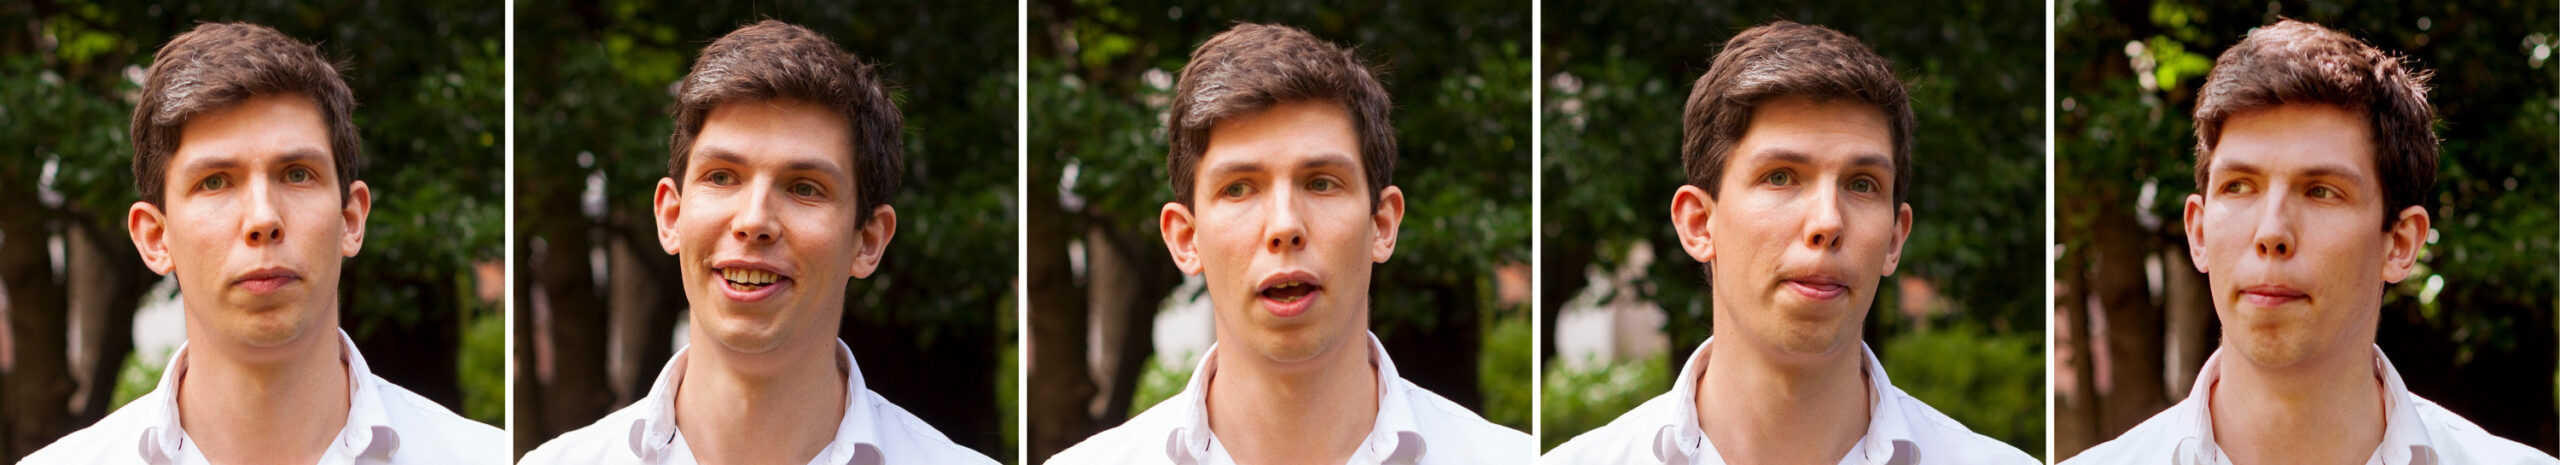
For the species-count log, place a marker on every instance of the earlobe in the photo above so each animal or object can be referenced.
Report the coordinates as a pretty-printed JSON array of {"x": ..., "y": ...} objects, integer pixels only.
[
  {"x": 1175, "y": 221},
  {"x": 150, "y": 236},
  {"x": 1388, "y": 218},
  {"x": 2406, "y": 239},
  {"x": 1691, "y": 207},
  {"x": 2194, "y": 219},
  {"x": 875, "y": 241},
  {"x": 359, "y": 205},
  {"x": 664, "y": 205}
]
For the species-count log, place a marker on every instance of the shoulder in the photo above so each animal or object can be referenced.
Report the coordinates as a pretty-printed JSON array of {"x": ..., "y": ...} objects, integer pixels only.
[
  {"x": 1142, "y": 439},
  {"x": 430, "y": 433},
  {"x": 1943, "y": 438},
  {"x": 907, "y": 439},
  {"x": 117, "y": 438},
  {"x": 1627, "y": 439},
  {"x": 2458, "y": 440},
  {"x": 2152, "y": 442},
  {"x": 1453, "y": 434},
  {"x": 605, "y": 441}
]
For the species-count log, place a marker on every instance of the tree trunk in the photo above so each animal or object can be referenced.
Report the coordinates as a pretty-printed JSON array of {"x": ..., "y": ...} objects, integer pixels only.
[
  {"x": 39, "y": 400},
  {"x": 1441, "y": 357},
  {"x": 524, "y": 418},
  {"x": 1056, "y": 354},
  {"x": 1127, "y": 278},
  {"x": 577, "y": 393},
  {"x": 106, "y": 291},
  {"x": 2135, "y": 381}
]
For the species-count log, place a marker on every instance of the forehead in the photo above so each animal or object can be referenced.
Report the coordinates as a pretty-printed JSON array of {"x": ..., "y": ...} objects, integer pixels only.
[
  {"x": 1283, "y": 135},
  {"x": 259, "y": 128},
  {"x": 2297, "y": 137},
  {"x": 786, "y": 131},
  {"x": 1824, "y": 131}
]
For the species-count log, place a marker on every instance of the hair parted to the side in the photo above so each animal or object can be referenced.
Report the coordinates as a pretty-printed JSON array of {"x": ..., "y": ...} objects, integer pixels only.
[
  {"x": 1787, "y": 59},
  {"x": 217, "y": 65},
  {"x": 2298, "y": 63},
  {"x": 775, "y": 60},
  {"x": 1251, "y": 67}
]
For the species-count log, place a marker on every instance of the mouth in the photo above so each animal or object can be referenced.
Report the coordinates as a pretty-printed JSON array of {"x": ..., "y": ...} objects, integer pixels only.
[
  {"x": 2270, "y": 295},
  {"x": 267, "y": 280},
  {"x": 749, "y": 282},
  {"x": 1289, "y": 294},
  {"x": 1817, "y": 287}
]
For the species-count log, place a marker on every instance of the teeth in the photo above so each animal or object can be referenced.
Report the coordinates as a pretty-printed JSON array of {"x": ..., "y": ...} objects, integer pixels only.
[{"x": 741, "y": 276}]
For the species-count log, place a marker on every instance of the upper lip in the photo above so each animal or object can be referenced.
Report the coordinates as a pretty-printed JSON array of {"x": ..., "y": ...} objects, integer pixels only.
[
  {"x": 2279, "y": 290},
  {"x": 268, "y": 273},
  {"x": 1288, "y": 277},
  {"x": 745, "y": 264},
  {"x": 1817, "y": 278}
]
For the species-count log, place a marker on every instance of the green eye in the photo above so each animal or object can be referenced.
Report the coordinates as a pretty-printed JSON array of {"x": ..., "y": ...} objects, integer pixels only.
[
  {"x": 214, "y": 183},
  {"x": 1323, "y": 185},
  {"x": 2323, "y": 192},
  {"x": 1864, "y": 186},
  {"x": 722, "y": 178},
  {"x": 1235, "y": 190},
  {"x": 1779, "y": 178},
  {"x": 297, "y": 175},
  {"x": 804, "y": 190},
  {"x": 2236, "y": 187}
]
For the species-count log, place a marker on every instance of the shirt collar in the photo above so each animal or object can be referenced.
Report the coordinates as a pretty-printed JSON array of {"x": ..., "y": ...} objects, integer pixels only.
[
  {"x": 368, "y": 432},
  {"x": 2404, "y": 437},
  {"x": 857, "y": 440},
  {"x": 1394, "y": 438},
  {"x": 1888, "y": 439}
]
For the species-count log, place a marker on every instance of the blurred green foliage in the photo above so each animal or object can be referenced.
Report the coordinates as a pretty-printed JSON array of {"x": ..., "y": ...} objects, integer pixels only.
[
  {"x": 1994, "y": 382},
  {"x": 1574, "y": 400},
  {"x": 1507, "y": 380},
  {"x": 1615, "y": 76}
]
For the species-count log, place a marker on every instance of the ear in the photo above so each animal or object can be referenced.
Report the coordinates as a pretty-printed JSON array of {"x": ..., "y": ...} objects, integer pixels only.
[
  {"x": 1901, "y": 234},
  {"x": 2406, "y": 238},
  {"x": 1179, "y": 237},
  {"x": 875, "y": 240},
  {"x": 2194, "y": 217},
  {"x": 359, "y": 205},
  {"x": 1690, "y": 209},
  {"x": 665, "y": 205},
  {"x": 149, "y": 228},
  {"x": 1388, "y": 218}
]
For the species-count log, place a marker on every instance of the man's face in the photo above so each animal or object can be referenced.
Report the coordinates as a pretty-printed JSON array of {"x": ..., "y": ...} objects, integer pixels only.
[
  {"x": 252, "y": 223},
  {"x": 1804, "y": 226},
  {"x": 1282, "y": 230},
  {"x": 2286, "y": 230},
  {"x": 763, "y": 226}
]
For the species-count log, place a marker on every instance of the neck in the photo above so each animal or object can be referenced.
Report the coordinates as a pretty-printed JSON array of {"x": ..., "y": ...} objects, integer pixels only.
[
  {"x": 781, "y": 406},
  {"x": 282, "y": 404},
  {"x": 2327, "y": 409},
  {"x": 1260, "y": 409},
  {"x": 1759, "y": 408}
]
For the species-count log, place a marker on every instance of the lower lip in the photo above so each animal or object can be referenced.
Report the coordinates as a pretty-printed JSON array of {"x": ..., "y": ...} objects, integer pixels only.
[
  {"x": 265, "y": 285},
  {"x": 736, "y": 294},
  {"x": 2269, "y": 300},
  {"x": 1818, "y": 291},
  {"x": 1291, "y": 309}
]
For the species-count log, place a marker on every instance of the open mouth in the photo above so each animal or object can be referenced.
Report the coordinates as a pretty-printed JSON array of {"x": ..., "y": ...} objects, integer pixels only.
[
  {"x": 748, "y": 280},
  {"x": 1288, "y": 293}
]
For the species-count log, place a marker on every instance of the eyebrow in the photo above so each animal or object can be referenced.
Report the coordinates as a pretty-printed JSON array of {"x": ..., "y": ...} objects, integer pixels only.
[
  {"x": 724, "y": 155},
  {"x": 2333, "y": 171},
  {"x": 227, "y": 161},
  {"x": 1320, "y": 160},
  {"x": 1791, "y": 156}
]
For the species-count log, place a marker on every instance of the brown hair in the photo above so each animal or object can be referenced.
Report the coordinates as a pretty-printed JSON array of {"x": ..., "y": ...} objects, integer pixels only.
[
  {"x": 219, "y": 64},
  {"x": 1253, "y": 66},
  {"x": 2294, "y": 63},
  {"x": 775, "y": 60},
  {"x": 1787, "y": 59}
]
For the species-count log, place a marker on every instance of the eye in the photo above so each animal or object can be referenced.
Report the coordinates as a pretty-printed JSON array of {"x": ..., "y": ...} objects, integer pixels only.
[
  {"x": 804, "y": 190},
  {"x": 2323, "y": 192},
  {"x": 1862, "y": 185},
  {"x": 722, "y": 178},
  {"x": 1779, "y": 178},
  {"x": 213, "y": 183},
  {"x": 1323, "y": 185},
  {"x": 2237, "y": 187},
  {"x": 1236, "y": 190},
  {"x": 297, "y": 175}
]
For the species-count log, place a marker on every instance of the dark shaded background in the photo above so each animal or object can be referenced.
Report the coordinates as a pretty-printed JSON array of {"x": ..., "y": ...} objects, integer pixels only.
[
  {"x": 2472, "y": 329},
  {"x": 932, "y": 330},
  {"x": 420, "y": 301}
]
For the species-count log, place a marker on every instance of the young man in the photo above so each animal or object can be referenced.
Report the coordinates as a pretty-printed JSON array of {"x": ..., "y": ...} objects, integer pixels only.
[
  {"x": 1797, "y": 144},
  {"x": 2314, "y": 160},
  {"x": 785, "y": 155},
  {"x": 246, "y": 157},
  {"x": 1282, "y": 168}
]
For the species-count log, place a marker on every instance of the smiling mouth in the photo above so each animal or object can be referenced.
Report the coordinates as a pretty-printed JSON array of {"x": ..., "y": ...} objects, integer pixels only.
[{"x": 748, "y": 280}]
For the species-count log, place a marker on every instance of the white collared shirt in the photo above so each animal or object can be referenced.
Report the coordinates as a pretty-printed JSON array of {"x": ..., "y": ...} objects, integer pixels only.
[
  {"x": 2415, "y": 431},
  {"x": 1414, "y": 426},
  {"x": 385, "y": 425},
  {"x": 872, "y": 431},
  {"x": 1900, "y": 430}
]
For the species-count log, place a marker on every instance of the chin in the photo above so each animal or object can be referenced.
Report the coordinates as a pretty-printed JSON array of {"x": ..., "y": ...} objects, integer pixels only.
[
  {"x": 268, "y": 330},
  {"x": 746, "y": 335},
  {"x": 2273, "y": 347}
]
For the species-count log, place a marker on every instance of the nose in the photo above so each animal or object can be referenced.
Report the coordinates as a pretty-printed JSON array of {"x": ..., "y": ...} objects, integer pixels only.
[
  {"x": 260, "y": 224},
  {"x": 1823, "y": 225},
  {"x": 2274, "y": 235},
  {"x": 1286, "y": 230},
  {"x": 755, "y": 223}
]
